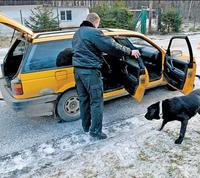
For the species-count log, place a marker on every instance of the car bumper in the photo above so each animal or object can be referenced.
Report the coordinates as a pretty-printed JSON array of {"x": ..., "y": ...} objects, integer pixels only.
[{"x": 38, "y": 106}]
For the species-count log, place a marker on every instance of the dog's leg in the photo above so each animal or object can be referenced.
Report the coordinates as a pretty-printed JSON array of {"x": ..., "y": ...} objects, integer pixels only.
[
  {"x": 198, "y": 111},
  {"x": 182, "y": 131},
  {"x": 163, "y": 124}
]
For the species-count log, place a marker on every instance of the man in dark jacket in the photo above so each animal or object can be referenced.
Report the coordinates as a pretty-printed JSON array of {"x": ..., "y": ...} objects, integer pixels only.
[{"x": 88, "y": 44}]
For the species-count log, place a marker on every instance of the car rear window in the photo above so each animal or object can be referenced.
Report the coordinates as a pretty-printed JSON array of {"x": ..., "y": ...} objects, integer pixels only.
[{"x": 45, "y": 55}]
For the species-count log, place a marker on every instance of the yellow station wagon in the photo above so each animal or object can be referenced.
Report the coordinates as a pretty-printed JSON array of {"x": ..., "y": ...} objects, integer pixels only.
[{"x": 34, "y": 82}]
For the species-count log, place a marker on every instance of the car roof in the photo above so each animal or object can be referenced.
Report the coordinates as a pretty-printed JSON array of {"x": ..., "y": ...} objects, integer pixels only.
[
  {"x": 70, "y": 31},
  {"x": 68, "y": 34}
]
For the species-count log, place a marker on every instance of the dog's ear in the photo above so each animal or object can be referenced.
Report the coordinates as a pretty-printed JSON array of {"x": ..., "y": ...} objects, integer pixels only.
[
  {"x": 153, "y": 112},
  {"x": 154, "y": 106}
]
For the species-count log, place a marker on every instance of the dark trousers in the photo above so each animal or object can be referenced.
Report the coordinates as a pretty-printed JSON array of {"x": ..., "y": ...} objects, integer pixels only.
[{"x": 89, "y": 86}]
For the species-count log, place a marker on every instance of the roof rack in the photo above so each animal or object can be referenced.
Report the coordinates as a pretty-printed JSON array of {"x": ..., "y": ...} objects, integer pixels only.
[
  {"x": 56, "y": 31},
  {"x": 106, "y": 29},
  {"x": 53, "y": 29},
  {"x": 64, "y": 30}
]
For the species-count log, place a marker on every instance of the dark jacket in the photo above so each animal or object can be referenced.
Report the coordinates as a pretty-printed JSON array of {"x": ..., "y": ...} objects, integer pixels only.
[{"x": 89, "y": 43}]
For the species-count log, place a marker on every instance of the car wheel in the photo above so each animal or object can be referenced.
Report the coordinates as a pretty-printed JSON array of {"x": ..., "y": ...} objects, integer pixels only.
[{"x": 68, "y": 106}]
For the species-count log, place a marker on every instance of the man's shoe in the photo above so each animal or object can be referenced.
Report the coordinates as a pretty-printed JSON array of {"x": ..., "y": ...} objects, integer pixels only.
[{"x": 99, "y": 136}]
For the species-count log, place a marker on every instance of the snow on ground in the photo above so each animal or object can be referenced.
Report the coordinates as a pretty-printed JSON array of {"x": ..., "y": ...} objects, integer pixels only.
[{"x": 134, "y": 148}]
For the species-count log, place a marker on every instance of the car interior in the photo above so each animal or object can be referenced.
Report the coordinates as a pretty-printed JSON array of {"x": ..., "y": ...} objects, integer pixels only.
[
  {"x": 125, "y": 72},
  {"x": 150, "y": 55},
  {"x": 14, "y": 59},
  {"x": 175, "y": 71},
  {"x": 177, "y": 62},
  {"x": 121, "y": 72}
]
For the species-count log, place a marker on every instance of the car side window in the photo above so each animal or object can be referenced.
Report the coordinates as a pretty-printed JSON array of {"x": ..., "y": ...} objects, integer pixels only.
[
  {"x": 20, "y": 49},
  {"x": 133, "y": 42},
  {"x": 178, "y": 52},
  {"x": 46, "y": 55},
  {"x": 146, "y": 49}
]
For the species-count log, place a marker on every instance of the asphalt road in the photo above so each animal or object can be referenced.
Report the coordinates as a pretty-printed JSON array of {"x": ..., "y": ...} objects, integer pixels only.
[{"x": 18, "y": 131}]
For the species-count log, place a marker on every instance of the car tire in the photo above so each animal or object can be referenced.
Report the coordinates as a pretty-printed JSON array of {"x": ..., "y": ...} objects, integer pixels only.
[{"x": 68, "y": 106}]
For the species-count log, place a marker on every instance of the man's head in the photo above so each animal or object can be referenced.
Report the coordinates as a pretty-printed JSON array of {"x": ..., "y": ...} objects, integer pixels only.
[{"x": 94, "y": 19}]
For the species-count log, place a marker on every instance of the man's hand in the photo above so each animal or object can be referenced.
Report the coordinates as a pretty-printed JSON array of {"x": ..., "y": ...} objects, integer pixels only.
[{"x": 135, "y": 53}]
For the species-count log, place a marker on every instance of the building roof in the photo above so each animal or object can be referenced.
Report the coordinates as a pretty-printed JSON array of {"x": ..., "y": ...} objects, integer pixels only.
[{"x": 69, "y": 3}]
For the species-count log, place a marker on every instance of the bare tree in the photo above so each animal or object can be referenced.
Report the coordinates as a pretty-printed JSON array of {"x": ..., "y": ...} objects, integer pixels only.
[
  {"x": 188, "y": 17},
  {"x": 150, "y": 15}
]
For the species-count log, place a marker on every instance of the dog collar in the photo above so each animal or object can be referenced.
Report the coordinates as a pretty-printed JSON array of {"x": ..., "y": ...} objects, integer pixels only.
[{"x": 160, "y": 109}]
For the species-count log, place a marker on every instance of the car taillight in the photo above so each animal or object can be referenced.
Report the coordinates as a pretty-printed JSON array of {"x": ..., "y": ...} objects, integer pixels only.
[{"x": 16, "y": 86}]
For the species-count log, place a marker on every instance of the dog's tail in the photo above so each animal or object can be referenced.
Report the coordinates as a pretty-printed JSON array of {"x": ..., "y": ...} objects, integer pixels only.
[{"x": 198, "y": 76}]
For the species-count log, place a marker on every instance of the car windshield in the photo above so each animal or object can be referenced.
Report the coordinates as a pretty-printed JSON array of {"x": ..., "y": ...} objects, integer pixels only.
[
  {"x": 133, "y": 42},
  {"x": 138, "y": 42}
]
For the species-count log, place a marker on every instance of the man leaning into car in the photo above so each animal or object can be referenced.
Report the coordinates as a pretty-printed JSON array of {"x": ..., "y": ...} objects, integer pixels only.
[{"x": 88, "y": 45}]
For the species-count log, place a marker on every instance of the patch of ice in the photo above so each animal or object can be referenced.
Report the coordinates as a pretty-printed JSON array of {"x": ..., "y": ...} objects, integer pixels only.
[
  {"x": 46, "y": 149},
  {"x": 19, "y": 162}
]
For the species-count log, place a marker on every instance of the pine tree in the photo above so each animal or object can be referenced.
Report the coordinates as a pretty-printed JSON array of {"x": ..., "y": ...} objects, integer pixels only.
[
  {"x": 42, "y": 19},
  {"x": 171, "y": 20}
]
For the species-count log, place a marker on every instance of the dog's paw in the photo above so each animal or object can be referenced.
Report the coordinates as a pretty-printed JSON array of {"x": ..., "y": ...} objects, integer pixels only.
[{"x": 178, "y": 141}]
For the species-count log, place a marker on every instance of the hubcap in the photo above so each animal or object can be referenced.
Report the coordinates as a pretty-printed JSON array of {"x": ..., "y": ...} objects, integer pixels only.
[{"x": 71, "y": 105}]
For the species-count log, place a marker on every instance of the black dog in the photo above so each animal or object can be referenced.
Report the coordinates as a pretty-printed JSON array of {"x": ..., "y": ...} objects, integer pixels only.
[{"x": 178, "y": 108}]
